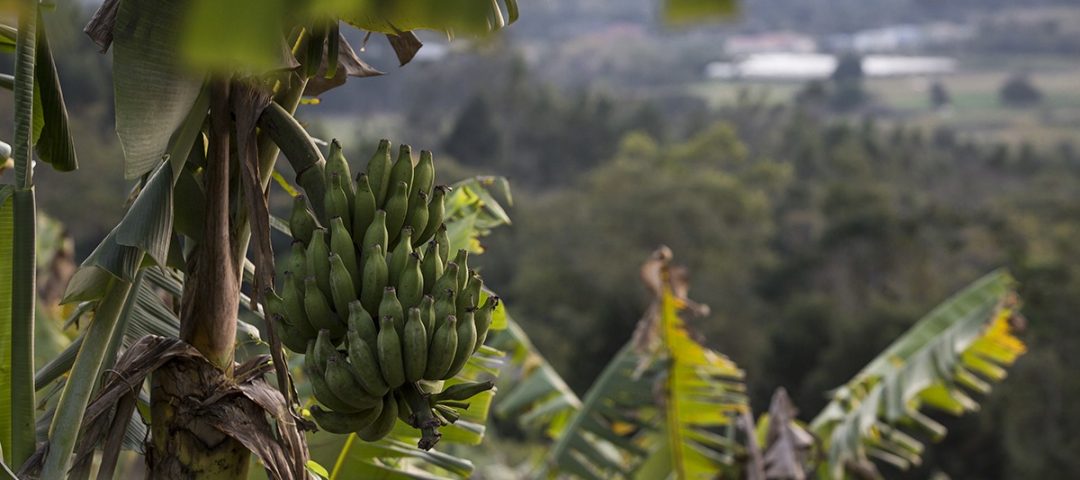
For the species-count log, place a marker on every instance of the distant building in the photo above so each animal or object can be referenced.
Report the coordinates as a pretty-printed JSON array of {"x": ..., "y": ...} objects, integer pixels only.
[
  {"x": 903, "y": 37},
  {"x": 770, "y": 42}
]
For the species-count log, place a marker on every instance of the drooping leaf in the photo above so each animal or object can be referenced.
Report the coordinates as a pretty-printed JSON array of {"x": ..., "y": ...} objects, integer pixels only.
[
  {"x": 154, "y": 90},
  {"x": 696, "y": 11},
  {"x": 957, "y": 348},
  {"x": 7, "y": 233},
  {"x": 53, "y": 140}
]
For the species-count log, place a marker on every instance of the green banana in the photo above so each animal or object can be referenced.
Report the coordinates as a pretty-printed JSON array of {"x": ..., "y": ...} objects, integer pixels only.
[
  {"x": 391, "y": 307},
  {"x": 447, "y": 281},
  {"x": 417, "y": 215},
  {"x": 423, "y": 176},
  {"x": 466, "y": 341},
  {"x": 376, "y": 233},
  {"x": 389, "y": 353},
  {"x": 431, "y": 267},
  {"x": 444, "y": 242},
  {"x": 396, "y": 208},
  {"x": 400, "y": 256},
  {"x": 341, "y": 286},
  {"x": 365, "y": 365},
  {"x": 402, "y": 170},
  {"x": 404, "y": 412},
  {"x": 441, "y": 352},
  {"x": 297, "y": 261},
  {"x": 341, "y": 243},
  {"x": 318, "y": 310},
  {"x": 462, "y": 391},
  {"x": 319, "y": 386},
  {"x": 374, "y": 279},
  {"x": 341, "y": 381},
  {"x": 292, "y": 338},
  {"x": 427, "y": 316},
  {"x": 336, "y": 162},
  {"x": 447, "y": 414},
  {"x": 360, "y": 321},
  {"x": 436, "y": 213},
  {"x": 301, "y": 221},
  {"x": 317, "y": 253},
  {"x": 336, "y": 202},
  {"x": 483, "y": 320},
  {"x": 411, "y": 287},
  {"x": 378, "y": 171},
  {"x": 324, "y": 349},
  {"x": 444, "y": 307},
  {"x": 382, "y": 426},
  {"x": 415, "y": 346},
  {"x": 364, "y": 207},
  {"x": 462, "y": 261},
  {"x": 345, "y": 423},
  {"x": 470, "y": 296},
  {"x": 293, "y": 300}
]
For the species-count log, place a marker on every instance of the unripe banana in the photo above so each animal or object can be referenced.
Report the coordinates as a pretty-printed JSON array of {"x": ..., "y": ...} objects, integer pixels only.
[
  {"x": 318, "y": 310},
  {"x": 446, "y": 281},
  {"x": 444, "y": 242},
  {"x": 411, "y": 287},
  {"x": 404, "y": 412},
  {"x": 447, "y": 414},
  {"x": 345, "y": 423},
  {"x": 423, "y": 176},
  {"x": 390, "y": 307},
  {"x": 382, "y": 426},
  {"x": 431, "y": 267},
  {"x": 376, "y": 233},
  {"x": 441, "y": 352},
  {"x": 341, "y": 243},
  {"x": 336, "y": 202},
  {"x": 324, "y": 349},
  {"x": 391, "y": 362},
  {"x": 301, "y": 221},
  {"x": 297, "y": 262},
  {"x": 336, "y": 162},
  {"x": 396, "y": 209},
  {"x": 462, "y": 391},
  {"x": 417, "y": 215},
  {"x": 292, "y": 338},
  {"x": 415, "y": 346},
  {"x": 400, "y": 256},
  {"x": 427, "y": 316},
  {"x": 317, "y": 266},
  {"x": 341, "y": 286},
  {"x": 470, "y": 296},
  {"x": 436, "y": 213},
  {"x": 293, "y": 300},
  {"x": 322, "y": 391},
  {"x": 466, "y": 341},
  {"x": 374, "y": 279},
  {"x": 482, "y": 318},
  {"x": 462, "y": 261},
  {"x": 444, "y": 306},
  {"x": 363, "y": 207},
  {"x": 365, "y": 365},
  {"x": 378, "y": 172},
  {"x": 360, "y": 321},
  {"x": 344, "y": 385},
  {"x": 402, "y": 171}
]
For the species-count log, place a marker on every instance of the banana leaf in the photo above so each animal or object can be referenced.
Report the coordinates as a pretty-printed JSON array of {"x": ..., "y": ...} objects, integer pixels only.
[{"x": 952, "y": 353}]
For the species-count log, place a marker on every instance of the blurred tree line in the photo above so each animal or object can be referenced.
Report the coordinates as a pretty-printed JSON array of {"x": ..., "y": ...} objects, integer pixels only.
[{"x": 815, "y": 239}]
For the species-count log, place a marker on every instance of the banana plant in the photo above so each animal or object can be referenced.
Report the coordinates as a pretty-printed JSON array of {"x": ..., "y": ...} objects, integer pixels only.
[{"x": 954, "y": 352}]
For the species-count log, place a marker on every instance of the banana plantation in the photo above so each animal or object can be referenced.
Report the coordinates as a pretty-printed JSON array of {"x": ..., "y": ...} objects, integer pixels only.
[{"x": 370, "y": 348}]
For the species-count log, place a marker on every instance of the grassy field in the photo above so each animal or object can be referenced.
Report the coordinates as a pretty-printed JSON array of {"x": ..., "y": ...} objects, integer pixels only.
[{"x": 976, "y": 109}]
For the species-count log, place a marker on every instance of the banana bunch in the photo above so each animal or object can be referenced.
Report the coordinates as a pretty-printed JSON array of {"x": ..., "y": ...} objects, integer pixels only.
[{"x": 372, "y": 298}]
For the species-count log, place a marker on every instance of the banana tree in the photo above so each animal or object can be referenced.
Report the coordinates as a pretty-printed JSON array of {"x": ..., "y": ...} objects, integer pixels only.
[{"x": 666, "y": 407}]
